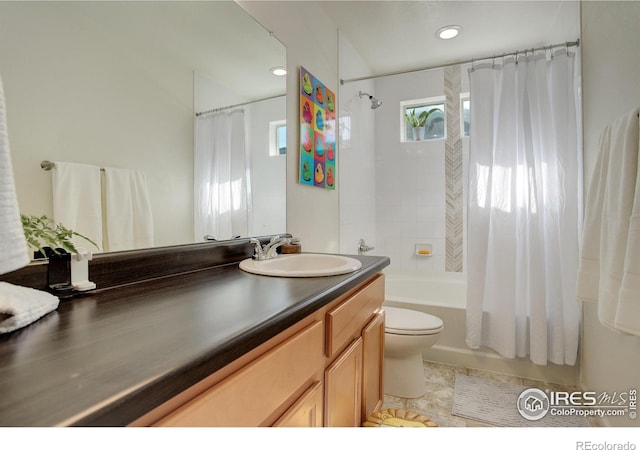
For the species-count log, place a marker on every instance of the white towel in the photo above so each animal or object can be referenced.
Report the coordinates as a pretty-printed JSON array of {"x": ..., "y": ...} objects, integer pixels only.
[
  {"x": 628, "y": 310},
  {"x": 128, "y": 210},
  {"x": 20, "y": 306},
  {"x": 77, "y": 200},
  {"x": 610, "y": 248},
  {"x": 14, "y": 252}
]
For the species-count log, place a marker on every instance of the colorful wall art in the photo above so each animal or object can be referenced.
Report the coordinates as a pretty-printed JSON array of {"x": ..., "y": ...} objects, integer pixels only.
[{"x": 317, "y": 132}]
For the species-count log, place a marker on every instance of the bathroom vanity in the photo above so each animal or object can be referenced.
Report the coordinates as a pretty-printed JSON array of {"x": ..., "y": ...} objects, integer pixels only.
[
  {"x": 213, "y": 346},
  {"x": 324, "y": 370}
]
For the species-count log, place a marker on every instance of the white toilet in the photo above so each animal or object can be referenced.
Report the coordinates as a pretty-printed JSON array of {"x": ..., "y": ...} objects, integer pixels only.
[{"x": 407, "y": 334}]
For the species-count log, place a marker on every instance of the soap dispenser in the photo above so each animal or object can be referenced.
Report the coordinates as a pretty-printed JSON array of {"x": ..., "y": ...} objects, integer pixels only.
[
  {"x": 293, "y": 246},
  {"x": 80, "y": 271}
]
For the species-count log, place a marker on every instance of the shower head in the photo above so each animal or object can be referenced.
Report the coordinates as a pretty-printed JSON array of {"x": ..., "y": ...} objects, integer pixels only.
[{"x": 375, "y": 102}]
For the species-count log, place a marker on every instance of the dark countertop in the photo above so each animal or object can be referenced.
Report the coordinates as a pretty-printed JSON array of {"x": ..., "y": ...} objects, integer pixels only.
[{"x": 109, "y": 357}]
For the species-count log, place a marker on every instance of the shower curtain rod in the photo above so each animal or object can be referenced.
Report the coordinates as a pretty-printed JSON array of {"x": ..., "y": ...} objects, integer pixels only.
[
  {"x": 210, "y": 111},
  {"x": 575, "y": 43}
]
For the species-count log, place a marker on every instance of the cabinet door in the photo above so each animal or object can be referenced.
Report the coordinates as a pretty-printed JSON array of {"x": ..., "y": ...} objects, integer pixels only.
[
  {"x": 343, "y": 388},
  {"x": 372, "y": 365},
  {"x": 249, "y": 397},
  {"x": 306, "y": 412},
  {"x": 345, "y": 321}
]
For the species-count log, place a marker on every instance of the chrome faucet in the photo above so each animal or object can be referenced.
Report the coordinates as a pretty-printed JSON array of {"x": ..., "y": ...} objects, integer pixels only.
[
  {"x": 268, "y": 251},
  {"x": 272, "y": 246}
]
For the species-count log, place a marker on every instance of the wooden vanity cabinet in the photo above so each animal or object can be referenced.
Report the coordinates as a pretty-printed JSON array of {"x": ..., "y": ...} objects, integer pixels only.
[
  {"x": 373, "y": 364},
  {"x": 307, "y": 411},
  {"x": 343, "y": 388},
  {"x": 251, "y": 396},
  {"x": 324, "y": 371},
  {"x": 355, "y": 349}
]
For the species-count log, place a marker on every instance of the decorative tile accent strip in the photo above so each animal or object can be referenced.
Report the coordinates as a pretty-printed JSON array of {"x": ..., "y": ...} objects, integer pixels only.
[{"x": 453, "y": 171}]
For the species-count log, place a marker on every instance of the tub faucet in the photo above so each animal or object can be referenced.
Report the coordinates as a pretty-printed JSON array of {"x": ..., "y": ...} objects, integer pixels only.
[
  {"x": 268, "y": 251},
  {"x": 363, "y": 248}
]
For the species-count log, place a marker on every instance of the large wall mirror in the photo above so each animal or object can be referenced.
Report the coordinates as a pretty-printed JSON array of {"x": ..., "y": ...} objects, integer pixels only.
[{"x": 118, "y": 84}]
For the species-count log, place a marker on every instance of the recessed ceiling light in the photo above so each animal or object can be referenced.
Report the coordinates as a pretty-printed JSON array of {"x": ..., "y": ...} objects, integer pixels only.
[
  {"x": 278, "y": 71},
  {"x": 449, "y": 32}
]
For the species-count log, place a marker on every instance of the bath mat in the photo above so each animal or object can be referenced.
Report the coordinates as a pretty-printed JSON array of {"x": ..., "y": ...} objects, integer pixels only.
[
  {"x": 392, "y": 417},
  {"x": 495, "y": 403}
]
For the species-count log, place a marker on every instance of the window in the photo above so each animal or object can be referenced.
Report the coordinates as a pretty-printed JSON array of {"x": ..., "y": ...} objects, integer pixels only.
[
  {"x": 345, "y": 131},
  {"x": 278, "y": 138},
  {"x": 465, "y": 111},
  {"x": 434, "y": 126}
]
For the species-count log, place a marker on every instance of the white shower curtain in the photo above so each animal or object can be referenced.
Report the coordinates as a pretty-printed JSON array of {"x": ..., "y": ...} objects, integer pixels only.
[
  {"x": 221, "y": 176},
  {"x": 524, "y": 208}
]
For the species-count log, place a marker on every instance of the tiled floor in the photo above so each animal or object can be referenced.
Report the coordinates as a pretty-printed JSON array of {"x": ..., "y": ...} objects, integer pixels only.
[{"x": 438, "y": 401}]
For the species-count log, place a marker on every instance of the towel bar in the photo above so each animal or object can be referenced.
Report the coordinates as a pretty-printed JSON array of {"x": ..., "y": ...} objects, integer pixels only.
[{"x": 48, "y": 165}]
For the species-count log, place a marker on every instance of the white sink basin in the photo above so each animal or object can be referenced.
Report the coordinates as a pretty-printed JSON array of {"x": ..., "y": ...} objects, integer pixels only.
[{"x": 302, "y": 265}]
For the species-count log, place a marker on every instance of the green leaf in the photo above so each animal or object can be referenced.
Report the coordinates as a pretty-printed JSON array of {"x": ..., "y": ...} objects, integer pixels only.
[
  {"x": 42, "y": 232},
  {"x": 420, "y": 120},
  {"x": 412, "y": 119}
]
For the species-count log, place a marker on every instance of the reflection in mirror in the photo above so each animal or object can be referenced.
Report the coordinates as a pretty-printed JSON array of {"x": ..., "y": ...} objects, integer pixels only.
[{"x": 117, "y": 85}]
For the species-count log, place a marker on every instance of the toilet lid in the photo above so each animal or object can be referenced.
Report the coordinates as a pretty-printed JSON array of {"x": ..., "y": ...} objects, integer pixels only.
[{"x": 409, "y": 321}]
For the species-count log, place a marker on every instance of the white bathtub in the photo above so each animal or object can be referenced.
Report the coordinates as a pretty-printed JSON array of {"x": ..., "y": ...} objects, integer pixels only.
[
  {"x": 447, "y": 290},
  {"x": 445, "y": 295}
]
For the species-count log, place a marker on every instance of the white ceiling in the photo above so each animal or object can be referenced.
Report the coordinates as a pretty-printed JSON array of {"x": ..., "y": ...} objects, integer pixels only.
[
  {"x": 171, "y": 38},
  {"x": 400, "y": 35},
  {"x": 219, "y": 39}
]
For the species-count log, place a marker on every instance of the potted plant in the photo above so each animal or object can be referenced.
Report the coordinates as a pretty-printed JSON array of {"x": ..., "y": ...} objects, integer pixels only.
[
  {"x": 417, "y": 121},
  {"x": 52, "y": 241},
  {"x": 47, "y": 237}
]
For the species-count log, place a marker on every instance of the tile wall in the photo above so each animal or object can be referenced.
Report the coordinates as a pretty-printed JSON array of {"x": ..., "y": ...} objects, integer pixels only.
[
  {"x": 392, "y": 194},
  {"x": 356, "y": 155},
  {"x": 410, "y": 177}
]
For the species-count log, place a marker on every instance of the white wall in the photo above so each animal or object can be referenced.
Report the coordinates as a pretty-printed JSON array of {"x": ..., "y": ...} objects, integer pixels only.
[
  {"x": 67, "y": 82},
  {"x": 407, "y": 180},
  {"x": 410, "y": 188},
  {"x": 392, "y": 189},
  {"x": 311, "y": 39},
  {"x": 357, "y": 155},
  {"x": 611, "y": 88}
]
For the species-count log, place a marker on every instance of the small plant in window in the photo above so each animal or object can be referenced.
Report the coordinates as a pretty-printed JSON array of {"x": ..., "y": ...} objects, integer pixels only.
[
  {"x": 418, "y": 121},
  {"x": 414, "y": 120},
  {"x": 47, "y": 237}
]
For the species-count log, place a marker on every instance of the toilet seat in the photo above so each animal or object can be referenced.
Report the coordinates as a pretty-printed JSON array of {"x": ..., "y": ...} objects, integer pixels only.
[{"x": 410, "y": 322}]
